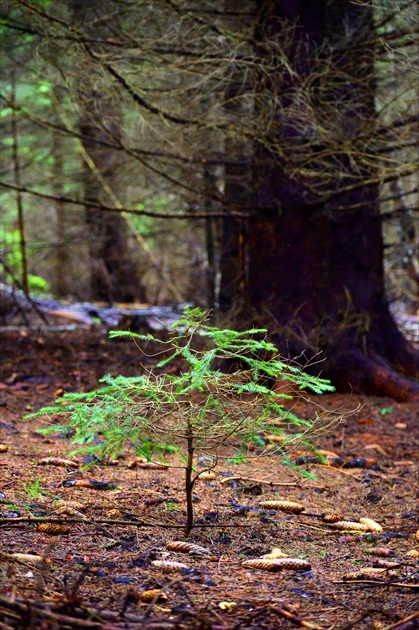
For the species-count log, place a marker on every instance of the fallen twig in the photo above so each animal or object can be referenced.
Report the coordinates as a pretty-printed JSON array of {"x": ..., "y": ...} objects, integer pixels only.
[
  {"x": 269, "y": 483},
  {"x": 343, "y": 472},
  {"x": 356, "y": 621},
  {"x": 376, "y": 583},
  {"x": 84, "y": 618},
  {"x": 110, "y": 521},
  {"x": 403, "y": 624},
  {"x": 28, "y": 608},
  {"x": 287, "y": 614}
]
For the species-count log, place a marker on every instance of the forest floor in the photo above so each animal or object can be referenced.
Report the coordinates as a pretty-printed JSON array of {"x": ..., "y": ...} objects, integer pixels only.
[{"x": 94, "y": 574}]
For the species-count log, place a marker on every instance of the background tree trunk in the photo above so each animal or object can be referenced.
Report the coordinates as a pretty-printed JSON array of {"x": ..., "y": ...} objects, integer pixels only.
[
  {"x": 315, "y": 258},
  {"x": 114, "y": 253}
]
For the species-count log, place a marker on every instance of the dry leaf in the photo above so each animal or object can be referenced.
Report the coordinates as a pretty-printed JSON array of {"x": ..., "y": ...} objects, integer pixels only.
[
  {"x": 4, "y": 448},
  {"x": 327, "y": 453},
  {"x": 351, "y": 537},
  {"x": 24, "y": 558},
  {"x": 185, "y": 547},
  {"x": 67, "y": 509},
  {"x": 207, "y": 476},
  {"x": 152, "y": 466},
  {"x": 109, "y": 462},
  {"x": 351, "y": 526},
  {"x": 278, "y": 564},
  {"x": 57, "y": 461},
  {"x": 139, "y": 462},
  {"x": 373, "y": 526},
  {"x": 76, "y": 505},
  {"x": 153, "y": 595},
  {"x": 168, "y": 566},
  {"x": 365, "y": 421},
  {"x": 417, "y": 534},
  {"x": 53, "y": 529},
  {"x": 113, "y": 513},
  {"x": 275, "y": 439},
  {"x": 375, "y": 447},
  {"x": 154, "y": 501},
  {"x": 227, "y": 606},
  {"x": 283, "y": 506},
  {"x": 412, "y": 553},
  {"x": 274, "y": 554}
]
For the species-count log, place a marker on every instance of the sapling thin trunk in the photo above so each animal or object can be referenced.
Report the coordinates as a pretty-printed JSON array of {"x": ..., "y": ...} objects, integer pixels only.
[{"x": 188, "y": 477}]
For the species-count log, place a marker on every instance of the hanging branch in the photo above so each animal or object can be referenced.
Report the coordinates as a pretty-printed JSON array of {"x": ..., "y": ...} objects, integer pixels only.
[{"x": 101, "y": 206}]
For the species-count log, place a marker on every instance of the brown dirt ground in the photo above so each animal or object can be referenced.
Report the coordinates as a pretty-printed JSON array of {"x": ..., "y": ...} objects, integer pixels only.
[{"x": 93, "y": 577}]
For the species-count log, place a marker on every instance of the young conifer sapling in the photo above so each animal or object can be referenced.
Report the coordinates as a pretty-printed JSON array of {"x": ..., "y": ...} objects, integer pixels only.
[{"x": 196, "y": 411}]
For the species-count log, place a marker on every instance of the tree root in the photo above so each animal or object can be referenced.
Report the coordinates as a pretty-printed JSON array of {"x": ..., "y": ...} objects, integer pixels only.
[{"x": 371, "y": 375}]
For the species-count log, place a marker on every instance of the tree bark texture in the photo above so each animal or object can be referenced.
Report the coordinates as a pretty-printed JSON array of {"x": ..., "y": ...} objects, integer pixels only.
[
  {"x": 315, "y": 267},
  {"x": 115, "y": 258}
]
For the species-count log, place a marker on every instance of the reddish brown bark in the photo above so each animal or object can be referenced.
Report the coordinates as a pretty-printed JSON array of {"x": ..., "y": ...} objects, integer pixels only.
[{"x": 315, "y": 271}]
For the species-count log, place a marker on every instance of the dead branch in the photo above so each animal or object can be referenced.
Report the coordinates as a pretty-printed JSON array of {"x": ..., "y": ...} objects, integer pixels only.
[{"x": 105, "y": 208}]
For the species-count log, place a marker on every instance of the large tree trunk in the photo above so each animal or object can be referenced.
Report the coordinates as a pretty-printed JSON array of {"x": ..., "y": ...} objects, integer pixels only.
[
  {"x": 115, "y": 263},
  {"x": 237, "y": 176},
  {"x": 315, "y": 243},
  {"x": 234, "y": 232},
  {"x": 115, "y": 256}
]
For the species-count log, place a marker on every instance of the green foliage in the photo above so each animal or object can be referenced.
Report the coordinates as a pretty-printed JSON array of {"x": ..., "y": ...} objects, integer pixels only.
[
  {"x": 196, "y": 410},
  {"x": 35, "y": 490},
  {"x": 384, "y": 411},
  {"x": 151, "y": 412},
  {"x": 13, "y": 257}
]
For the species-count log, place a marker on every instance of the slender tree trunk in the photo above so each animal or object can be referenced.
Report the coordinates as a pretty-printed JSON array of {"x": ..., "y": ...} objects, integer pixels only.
[
  {"x": 19, "y": 203},
  {"x": 209, "y": 177},
  {"x": 62, "y": 285},
  {"x": 188, "y": 479},
  {"x": 315, "y": 243}
]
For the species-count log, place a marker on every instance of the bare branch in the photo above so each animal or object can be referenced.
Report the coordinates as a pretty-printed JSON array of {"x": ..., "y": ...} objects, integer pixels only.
[{"x": 105, "y": 208}]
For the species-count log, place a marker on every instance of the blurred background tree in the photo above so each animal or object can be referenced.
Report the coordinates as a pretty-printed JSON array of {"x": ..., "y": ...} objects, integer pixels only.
[{"x": 255, "y": 157}]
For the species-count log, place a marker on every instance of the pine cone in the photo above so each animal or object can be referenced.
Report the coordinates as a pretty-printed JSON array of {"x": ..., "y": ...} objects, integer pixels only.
[
  {"x": 53, "y": 529},
  {"x": 284, "y": 506}
]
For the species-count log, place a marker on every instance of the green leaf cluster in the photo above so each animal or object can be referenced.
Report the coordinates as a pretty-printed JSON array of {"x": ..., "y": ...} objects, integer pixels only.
[{"x": 13, "y": 257}]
